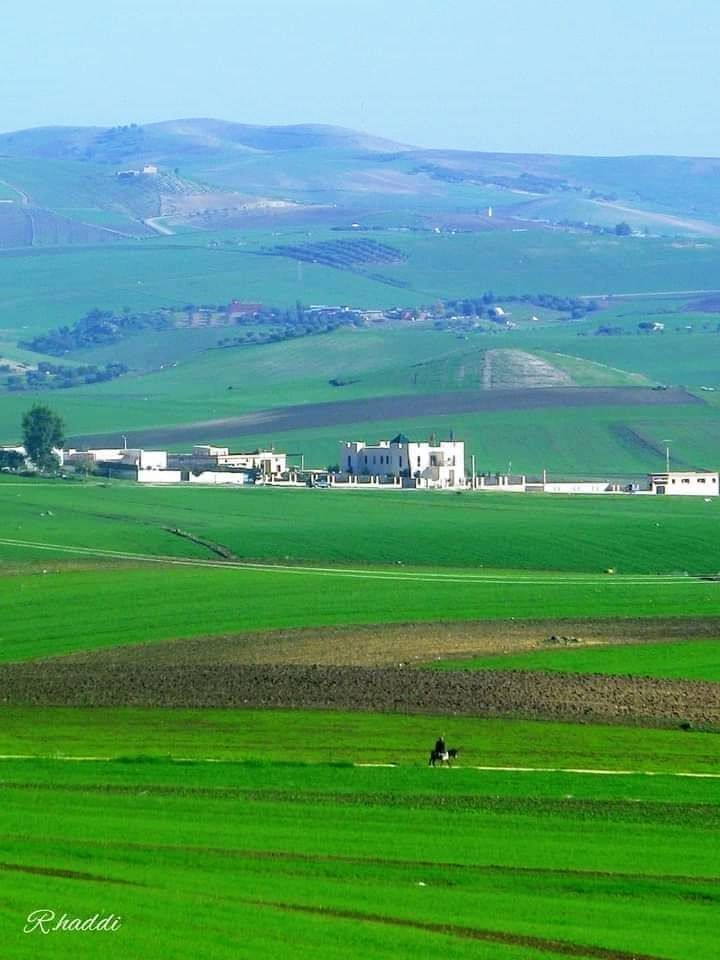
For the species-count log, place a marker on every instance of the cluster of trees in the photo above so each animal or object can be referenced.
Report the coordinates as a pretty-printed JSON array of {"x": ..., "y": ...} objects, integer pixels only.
[
  {"x": 341, "y": 254},
  {"x": 482, "y": 306},
  {"x": 98, "y": 328},
  {"x": 55, "y": 376},
  {"x": 619, "y": 230},
  {"x": 116, "y": 144},
  {"x": 292, "y": 323}
]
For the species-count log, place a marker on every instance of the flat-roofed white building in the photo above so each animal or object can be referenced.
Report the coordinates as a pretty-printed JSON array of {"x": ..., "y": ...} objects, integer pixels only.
[
  {"x": 123, "y": 457},
  {"x": 435, "y": 464},
  {"x": 690, "y": 484},
  {"x": 207, "y": 457}
]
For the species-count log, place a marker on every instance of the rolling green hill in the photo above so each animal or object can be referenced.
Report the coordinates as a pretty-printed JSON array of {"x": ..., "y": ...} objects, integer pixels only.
[{"x": 344, "y": 174}]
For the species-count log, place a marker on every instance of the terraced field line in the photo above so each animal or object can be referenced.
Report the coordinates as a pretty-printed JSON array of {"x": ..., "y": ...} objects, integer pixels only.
[
  {"x": 410, "y": 576},
  {"x": 579, "y": 770}
]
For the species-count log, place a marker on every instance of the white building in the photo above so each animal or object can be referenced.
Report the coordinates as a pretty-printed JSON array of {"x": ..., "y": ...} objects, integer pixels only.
[
  {"x": 123, "y": 457},
  {"x": 432, "y": 464},
  {"x": 60, "y": 454},
  {"x": 206, "y": 457},
  {"x": 685, "y": 484}
]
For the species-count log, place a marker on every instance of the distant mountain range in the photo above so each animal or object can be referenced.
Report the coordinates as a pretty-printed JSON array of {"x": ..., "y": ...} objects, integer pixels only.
[{"x": 66, "y": 185}]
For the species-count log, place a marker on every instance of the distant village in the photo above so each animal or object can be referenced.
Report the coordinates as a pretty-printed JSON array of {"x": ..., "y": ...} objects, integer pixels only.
[{"x": 396, "y": 464}]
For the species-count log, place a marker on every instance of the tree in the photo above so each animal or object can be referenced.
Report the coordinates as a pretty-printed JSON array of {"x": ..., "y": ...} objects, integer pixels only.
[
  {"x": 42, "y": 431},
  {"x": 623, "y": 229}
]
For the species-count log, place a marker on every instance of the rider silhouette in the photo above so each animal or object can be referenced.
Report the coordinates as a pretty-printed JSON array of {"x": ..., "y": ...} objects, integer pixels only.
[{"x": 440, "y": 747}]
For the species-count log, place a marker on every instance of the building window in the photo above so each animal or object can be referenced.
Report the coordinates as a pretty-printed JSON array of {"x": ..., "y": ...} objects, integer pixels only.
[
  {"x": 418, "y": 461},
  {"x": 686, "y": 480},
  {"x": 701, "y": 479},
  {"x": 349, "y": 462},
  {"x": 366, "y": 459},
  {"x": 401, "y": 463}
]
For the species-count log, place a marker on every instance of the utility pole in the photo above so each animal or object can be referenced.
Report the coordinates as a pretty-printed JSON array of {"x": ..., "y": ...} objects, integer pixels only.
[
  {"x": 124, "y": 440},
  {"x": 667, "y": 455},
  {"x": 472, "y": 462}
]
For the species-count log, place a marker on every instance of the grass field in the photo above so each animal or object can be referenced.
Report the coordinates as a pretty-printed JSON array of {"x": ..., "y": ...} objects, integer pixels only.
[
  {"x": 330, "y": 860},
  {"x": 688, "y": 661},
  {"x": 476, "y": 532},
  {"x": 133, "y": 604}
]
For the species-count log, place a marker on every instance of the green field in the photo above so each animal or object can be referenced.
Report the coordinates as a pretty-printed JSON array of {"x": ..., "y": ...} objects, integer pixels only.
[
  {"x": 134, "y": 604},
  {"x": 699, "y": 660},
  {"x": 477, "y": 532},
  {"x": 327, "y": 860},
  {"x": 78, "y": 547}
]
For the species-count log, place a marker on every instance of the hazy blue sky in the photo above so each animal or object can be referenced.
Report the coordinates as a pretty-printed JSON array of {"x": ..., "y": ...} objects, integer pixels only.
[{"x": 568, "y": 76}]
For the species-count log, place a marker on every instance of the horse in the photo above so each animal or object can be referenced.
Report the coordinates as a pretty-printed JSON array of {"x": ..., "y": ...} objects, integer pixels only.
[{"x": 446, "y": 758}]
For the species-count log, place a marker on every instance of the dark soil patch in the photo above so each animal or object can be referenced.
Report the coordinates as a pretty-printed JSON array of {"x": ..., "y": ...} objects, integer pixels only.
[
  {"x": 305, "y": 416},
  {"x": 590, "y": 697},
  {"x": 706, "y": 305}
]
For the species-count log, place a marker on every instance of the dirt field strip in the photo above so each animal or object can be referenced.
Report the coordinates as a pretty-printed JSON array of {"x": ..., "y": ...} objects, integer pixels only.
[
  {"x": 426, "y": 577},
  {"x": 395, "y": 407}
]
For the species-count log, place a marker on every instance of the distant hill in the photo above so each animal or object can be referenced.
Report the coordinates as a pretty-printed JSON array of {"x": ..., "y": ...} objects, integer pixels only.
[{"x": 214, "y": 173}]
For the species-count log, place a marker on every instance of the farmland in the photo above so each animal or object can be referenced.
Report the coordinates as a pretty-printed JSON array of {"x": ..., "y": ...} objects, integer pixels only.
[
  {"x": 64, "y": 545},
  {"x": 216, "y": 705},
  {"x": 475, "y": 533},
  {"x": 348, "y": 860},
  {"x": 184, "y": 378}
]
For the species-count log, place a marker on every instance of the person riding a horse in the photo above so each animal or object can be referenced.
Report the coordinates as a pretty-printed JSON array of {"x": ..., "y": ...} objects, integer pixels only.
[{"x": 441, "y": 749}]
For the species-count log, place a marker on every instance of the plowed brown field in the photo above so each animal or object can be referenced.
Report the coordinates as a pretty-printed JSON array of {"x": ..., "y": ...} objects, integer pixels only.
[{"x": 385, "y": 689}]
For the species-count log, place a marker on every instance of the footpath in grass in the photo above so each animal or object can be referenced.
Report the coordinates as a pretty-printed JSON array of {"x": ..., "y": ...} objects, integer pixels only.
[
  {"x": 689, "y": 660},
  {"x": 316, "y": 736},
  {"x": 246, "y": 857}
]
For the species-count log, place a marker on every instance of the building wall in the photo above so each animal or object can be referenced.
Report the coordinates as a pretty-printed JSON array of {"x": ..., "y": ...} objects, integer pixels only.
[
  {"x": 678, "y": 484},
  {"x": 586, "y": 486},
  {"x": 439, "y": 465},
  {"x": 218, "y": 478},
  {"x": 207, "y": 458},
  {"x": 158, "y": 476}
]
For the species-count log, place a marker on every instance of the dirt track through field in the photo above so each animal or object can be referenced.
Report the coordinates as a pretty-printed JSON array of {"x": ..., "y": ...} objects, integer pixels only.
[
  {"x": 376, "y": 409},
  {"x": 564, "y": 948},
  {"x": 429, "y": 576},
  {"x": 581, "y": 771}
]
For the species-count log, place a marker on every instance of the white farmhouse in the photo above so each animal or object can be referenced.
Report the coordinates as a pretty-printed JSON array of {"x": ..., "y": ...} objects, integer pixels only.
[
  {"x": 437, "y": 465},
  {"x": 685, "y": 484}
]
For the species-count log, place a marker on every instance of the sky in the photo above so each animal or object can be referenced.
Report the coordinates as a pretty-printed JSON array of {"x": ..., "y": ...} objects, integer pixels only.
[{"x": 599, "y": 77}]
